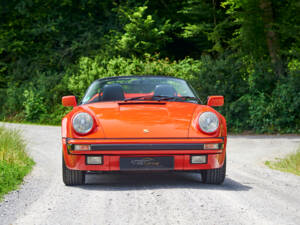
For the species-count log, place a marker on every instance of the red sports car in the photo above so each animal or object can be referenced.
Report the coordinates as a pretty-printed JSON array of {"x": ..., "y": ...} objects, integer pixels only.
[{"x": 143, "y": 123}]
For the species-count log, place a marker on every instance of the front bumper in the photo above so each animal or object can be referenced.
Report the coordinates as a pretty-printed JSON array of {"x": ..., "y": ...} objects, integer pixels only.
[{"x": 112, "y": 149}]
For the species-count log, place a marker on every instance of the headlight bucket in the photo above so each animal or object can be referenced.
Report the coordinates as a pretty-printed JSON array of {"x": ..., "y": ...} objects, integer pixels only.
[
  {"x": 208, "y": 122},
  {"x": 82, "y": 123}
]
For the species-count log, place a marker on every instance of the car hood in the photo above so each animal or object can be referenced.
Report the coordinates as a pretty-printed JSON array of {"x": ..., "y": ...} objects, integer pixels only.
[{"x": 143, "y": 119}]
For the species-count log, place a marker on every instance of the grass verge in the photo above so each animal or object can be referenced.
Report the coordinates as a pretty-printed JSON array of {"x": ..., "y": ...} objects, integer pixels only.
[
  {"x": 290, "y": 164},
  {"x": 14, "y": 162}
]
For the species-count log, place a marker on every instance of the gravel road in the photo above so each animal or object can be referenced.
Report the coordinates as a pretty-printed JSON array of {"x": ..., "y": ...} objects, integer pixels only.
[{"x": 251, "y": 193}]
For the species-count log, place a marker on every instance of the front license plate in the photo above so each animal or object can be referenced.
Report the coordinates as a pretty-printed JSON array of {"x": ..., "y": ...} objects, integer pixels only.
[{"x": 147, "y": 163}]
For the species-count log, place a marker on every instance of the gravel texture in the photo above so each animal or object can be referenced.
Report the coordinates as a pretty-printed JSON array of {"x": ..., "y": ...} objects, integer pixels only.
[{"x": 251, "y": 193}]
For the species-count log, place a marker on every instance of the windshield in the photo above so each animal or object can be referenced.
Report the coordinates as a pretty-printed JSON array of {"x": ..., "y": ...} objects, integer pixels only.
[{"x": 139, "y": 88}]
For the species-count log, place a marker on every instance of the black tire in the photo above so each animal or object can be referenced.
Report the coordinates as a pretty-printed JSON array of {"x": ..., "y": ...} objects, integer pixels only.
[
  {"x": 214, "y": 176},
  {"x": 72, "y": 177}
]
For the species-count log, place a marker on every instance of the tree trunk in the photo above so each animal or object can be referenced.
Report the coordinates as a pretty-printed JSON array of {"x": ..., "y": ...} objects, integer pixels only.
[
  {"x": 271, "y": 37},
  {"x": 214, "y": 12}
]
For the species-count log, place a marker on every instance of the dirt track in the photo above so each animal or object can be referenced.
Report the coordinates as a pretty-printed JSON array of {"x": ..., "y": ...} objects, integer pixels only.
[{"x": 251, "y": 193}]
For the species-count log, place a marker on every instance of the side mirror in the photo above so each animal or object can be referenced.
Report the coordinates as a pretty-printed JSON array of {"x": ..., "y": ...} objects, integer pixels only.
[
  {"x": 69, "y": 100},
  {"x": 215, "y": 101}
]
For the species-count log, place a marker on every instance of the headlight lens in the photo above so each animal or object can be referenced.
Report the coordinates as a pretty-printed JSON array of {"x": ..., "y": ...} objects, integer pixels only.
[
  {"x": 83, "y": 123},
  {"x": 208, "y": 122}
]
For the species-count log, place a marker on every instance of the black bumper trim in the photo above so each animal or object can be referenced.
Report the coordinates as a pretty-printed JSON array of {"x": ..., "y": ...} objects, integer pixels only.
[
  {"x": 169, "y": 146},
  {"x": 145, "y": 138}
]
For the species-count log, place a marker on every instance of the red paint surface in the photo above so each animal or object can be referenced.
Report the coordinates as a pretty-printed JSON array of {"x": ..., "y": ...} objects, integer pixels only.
[{"x": 125, "y": 122}]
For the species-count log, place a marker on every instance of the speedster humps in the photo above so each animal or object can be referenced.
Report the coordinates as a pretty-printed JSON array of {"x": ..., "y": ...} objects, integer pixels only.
[{"x": 143, "y": 124}]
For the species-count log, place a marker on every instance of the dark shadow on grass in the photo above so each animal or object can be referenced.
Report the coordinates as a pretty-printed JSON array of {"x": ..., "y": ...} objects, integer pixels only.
[{"x": 125, "y": 182}]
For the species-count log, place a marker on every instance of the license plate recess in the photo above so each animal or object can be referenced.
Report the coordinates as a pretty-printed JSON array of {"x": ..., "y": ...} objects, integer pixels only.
[{"x": 147, "y": 163}]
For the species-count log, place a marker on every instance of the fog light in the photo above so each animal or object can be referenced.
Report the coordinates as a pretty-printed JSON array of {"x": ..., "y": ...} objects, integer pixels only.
[
  {"x": 211, "y": 146},
  {"x": 93, "y": 160},
  {"x": 82, "y": 147},
  {"x": 198, "y": 159}
]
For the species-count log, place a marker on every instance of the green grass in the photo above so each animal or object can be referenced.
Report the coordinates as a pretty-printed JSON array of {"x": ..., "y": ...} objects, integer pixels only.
[
  {"x": 290, "y": 164},
  {"x": 14, "y": 162}
]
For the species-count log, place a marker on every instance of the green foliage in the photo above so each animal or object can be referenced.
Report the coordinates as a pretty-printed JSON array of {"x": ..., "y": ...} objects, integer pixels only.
[
  {"x": 90, "y": 69},
  {"x": 206, "y": 23},
  {"x": 246, "y": 50},
  {"x": 250, "y": 38},
  {"x": 33, "y": 105},
  {"x": 277, "y": 113},
  {"x": 142, "y": 33},
  {"x": 14, "y": 162}
]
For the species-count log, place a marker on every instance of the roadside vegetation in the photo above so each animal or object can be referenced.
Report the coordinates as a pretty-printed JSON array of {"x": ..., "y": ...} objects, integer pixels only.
[
  {"x": 290, "y": 164},
  {"x": 247, "y": 51},
  {"x": 14, "y": 162}
]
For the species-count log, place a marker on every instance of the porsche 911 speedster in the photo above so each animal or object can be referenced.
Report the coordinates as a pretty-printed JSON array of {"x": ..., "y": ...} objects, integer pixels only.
[{"x": 143, "y": 124}]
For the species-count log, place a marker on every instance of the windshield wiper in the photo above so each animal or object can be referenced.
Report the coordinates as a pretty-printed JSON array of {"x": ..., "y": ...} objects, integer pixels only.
[
  {"x": 139, "y": 97},
  {"x": 162, "y": 98}
]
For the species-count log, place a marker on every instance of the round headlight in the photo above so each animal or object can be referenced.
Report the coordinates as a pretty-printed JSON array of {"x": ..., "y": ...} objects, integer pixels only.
[
  {"x": 83, "y": 123},
  {"x": 208, "y": 122}
]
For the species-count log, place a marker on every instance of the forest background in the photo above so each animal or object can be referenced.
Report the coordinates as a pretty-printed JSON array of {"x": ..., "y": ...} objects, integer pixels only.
[{"x": 246, "y": 50}]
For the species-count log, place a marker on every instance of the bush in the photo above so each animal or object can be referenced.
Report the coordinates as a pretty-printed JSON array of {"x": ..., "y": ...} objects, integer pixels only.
[
  {"x": 90, "y": 69},
  {"x": 34, "y": 105},
  {"x": 253, "y": 100},
  {"x": 278, "y": 112}
]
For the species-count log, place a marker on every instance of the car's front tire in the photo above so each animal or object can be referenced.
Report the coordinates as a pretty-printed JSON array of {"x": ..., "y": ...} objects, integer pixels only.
[
  {"x": 214, "y": 176},
  {"x": 72, "y": 177}
]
